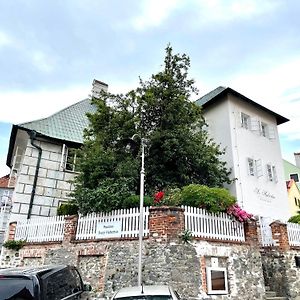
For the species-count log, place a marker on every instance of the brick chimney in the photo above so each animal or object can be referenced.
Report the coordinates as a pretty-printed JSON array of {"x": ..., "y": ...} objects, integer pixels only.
[
  {"x": 297, "y": 159},
  {"x": 98, "y": 86}
]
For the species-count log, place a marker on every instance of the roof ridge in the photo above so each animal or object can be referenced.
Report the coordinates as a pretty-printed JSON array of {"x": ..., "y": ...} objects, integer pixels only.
[{"x": 54, "y": 114}]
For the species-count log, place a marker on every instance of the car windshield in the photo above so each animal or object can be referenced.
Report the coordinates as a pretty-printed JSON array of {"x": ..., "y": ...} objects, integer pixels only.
[
  {"x": 147, "y": 297},
  {"x": 16, "y": 288}
]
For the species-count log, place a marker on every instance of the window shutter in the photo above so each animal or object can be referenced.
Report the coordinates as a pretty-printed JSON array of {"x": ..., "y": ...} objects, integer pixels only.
[
  {"x": 254, "y": 125},
  {"x": 238, "y": 116},
  {"x": 64, "y": 155},
  {"x": 274, "y": 173},
  {"x": 269, "y": 172},
  {"x": 259, "y": 169},
  {"x": 271, "y": 131}
]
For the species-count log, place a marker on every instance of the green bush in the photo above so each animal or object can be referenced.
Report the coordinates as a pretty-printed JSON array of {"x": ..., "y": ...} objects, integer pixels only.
[
  {"x": 14, "y": 245},
  {"x": 294, "y": 219},
  {"x": 67, "y": 209},
  {"x": 172, "y": 197},
  {"x": 212, "y": 199},
  {"x": 134, "y": 201}
]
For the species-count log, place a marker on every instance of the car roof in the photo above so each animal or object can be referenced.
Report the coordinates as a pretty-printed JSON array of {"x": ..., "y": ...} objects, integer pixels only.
[
  {"x": 31, "y": 270},
  {"x": 145, "y": 290}
]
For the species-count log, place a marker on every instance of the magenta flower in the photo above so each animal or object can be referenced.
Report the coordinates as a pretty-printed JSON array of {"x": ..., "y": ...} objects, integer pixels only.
[{"x": 239, "y": 213}]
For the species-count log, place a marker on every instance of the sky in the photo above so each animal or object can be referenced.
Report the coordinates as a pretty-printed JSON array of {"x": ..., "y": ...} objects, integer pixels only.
[{"x": 51, "y": 50}]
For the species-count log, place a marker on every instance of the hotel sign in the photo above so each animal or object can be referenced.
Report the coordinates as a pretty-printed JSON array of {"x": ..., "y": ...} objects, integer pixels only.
[{"x": 109, "y": 230}]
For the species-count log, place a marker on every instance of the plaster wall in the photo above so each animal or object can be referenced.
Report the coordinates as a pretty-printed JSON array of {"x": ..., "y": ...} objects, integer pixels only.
[{"x": 256, "y": 194}]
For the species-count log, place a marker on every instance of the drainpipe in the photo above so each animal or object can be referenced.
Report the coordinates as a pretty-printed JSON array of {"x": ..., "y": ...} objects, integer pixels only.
[{"x": 32, "y": 135}]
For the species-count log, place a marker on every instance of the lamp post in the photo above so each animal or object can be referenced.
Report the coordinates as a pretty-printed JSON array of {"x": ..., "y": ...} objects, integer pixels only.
[{"x": 141, "y": 225}]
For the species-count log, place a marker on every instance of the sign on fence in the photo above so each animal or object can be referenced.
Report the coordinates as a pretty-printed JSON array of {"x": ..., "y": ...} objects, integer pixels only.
[{"x": 109, "y": 230}]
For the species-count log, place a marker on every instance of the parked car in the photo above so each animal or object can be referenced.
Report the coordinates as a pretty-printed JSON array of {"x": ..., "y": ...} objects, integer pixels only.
[
  {"x": 42, "y": 283},
  {"x": 147, "y": 292}
]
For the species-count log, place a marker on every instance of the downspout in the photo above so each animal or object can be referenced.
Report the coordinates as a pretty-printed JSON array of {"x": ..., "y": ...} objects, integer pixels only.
[{"x": 32, "y": 135}]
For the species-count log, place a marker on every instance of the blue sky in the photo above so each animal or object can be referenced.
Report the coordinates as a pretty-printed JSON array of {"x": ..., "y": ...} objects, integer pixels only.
[{"x": 50, "y": 52}]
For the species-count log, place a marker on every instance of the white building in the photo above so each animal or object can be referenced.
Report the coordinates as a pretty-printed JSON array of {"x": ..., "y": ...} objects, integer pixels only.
[{"x": 248, "y": 132}]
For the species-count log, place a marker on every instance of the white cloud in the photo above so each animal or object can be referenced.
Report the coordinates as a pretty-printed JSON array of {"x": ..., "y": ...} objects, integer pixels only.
[
  {"x": 5, "y": 40},
  {"x": 42, "y": 61},
  {"x": 29, "y": 106},
  {"x": 232, "y": 10},
  {"x": 154, "y": 13},
  {"x": 206, "y": 12}
]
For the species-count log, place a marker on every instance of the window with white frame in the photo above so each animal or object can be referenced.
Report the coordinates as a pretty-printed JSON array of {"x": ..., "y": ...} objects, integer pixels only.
[
  {"x": 68, "y": 158},
  {"x": 251, "y": 167},
  {"x": 245, "y": 121},
  {"x": 217, "y": 282},
  {"x": 264, "y": 129},
  {"x": 271, "y": 173},
  {"x": 254, "y": 167}
]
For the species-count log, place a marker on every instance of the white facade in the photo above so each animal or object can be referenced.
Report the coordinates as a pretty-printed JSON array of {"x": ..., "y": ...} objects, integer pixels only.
[{"x": 250, "y": 138}]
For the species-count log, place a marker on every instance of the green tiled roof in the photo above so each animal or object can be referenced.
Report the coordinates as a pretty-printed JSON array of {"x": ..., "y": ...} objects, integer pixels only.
[
  {"x": 207, "y": 97},
  {"x": 67, "y": 124}
]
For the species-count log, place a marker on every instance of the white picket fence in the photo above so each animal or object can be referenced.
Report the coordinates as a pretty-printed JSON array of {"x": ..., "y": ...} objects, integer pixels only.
[
  {"x": 293, "y": 234},
  {"x": 129, "y": 218},
  {"x": 266, "y": 232},
  {"x": 215, "y": 226},
  {"x": 41, "y": 229}
]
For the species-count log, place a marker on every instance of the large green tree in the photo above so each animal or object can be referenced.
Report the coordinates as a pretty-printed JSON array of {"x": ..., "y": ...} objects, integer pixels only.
[{"x": 178, "y": 150}]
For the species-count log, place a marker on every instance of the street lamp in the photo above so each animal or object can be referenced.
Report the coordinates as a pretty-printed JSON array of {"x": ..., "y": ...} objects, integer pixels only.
[
  {"x": 132, "y": 143},
  {"x": 141, "y": 225}
]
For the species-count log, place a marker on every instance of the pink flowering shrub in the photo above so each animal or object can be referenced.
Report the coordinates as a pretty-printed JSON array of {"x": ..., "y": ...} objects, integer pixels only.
[{"x": 240, "y": 214}]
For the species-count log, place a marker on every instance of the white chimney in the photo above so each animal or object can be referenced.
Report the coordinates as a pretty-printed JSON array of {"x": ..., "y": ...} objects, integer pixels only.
[
  {"x": 297, "y": 159},
  {"x": 98, "y": 86}
]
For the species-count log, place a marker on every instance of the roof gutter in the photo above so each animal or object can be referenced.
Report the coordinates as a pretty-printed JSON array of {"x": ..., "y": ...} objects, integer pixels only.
[{"x": 32, "y": 135}]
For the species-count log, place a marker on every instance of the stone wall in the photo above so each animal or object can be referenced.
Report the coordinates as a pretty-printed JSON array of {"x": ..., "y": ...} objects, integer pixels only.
[
  {"x": 281, "y": 273},
  {"x": 279, "y": 264},
  {"x": 110, "y": 265},
  {"x": 113, "y": 263},
  {"x": 53, "y": 184}
]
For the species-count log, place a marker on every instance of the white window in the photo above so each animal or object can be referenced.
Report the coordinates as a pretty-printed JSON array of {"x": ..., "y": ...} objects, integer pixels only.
[
  {"x": 271, "y": 173},
  {"x": 264, "y": 129},
  {"x": 255, "y": 167},
  {"x": 216, "y": 280},
  {"x": 245, "y": 121},
  {"x": 251, "y": 167},
  {"x": 68, "y": 158}
]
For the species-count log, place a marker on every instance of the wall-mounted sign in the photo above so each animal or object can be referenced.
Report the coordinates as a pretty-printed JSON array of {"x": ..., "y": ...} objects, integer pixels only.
[
  {"x": 109, "y": 230},
  {"x": 264, "y": 195}
]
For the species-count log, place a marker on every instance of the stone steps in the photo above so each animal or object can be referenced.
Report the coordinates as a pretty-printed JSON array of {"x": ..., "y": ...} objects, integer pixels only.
[{"x": 271, "y": 295}]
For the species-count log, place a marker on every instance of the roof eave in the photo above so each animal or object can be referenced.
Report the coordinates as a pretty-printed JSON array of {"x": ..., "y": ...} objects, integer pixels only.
[{"x": 279, "y": 119}]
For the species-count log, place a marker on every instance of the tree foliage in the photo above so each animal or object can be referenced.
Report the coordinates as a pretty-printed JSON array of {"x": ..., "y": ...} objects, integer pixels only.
[{"x": 178, "y": 150}]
